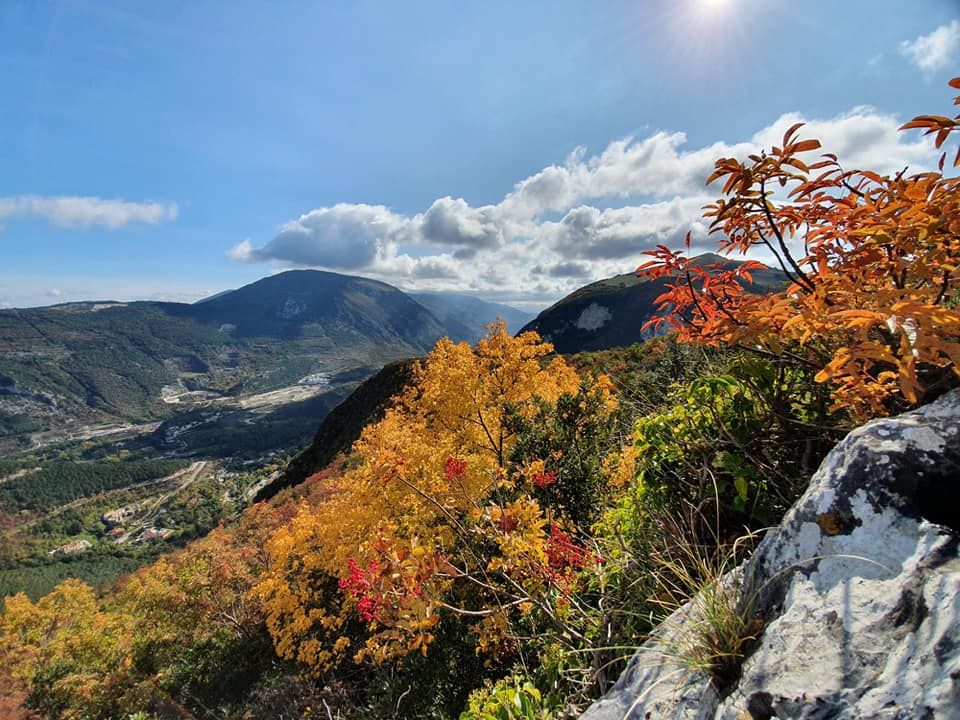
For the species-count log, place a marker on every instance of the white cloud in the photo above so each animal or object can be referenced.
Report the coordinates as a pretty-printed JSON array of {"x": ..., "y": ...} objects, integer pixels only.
[
  {"x": 654, "y": 166},
  {"x": 451, "y": 221},
  {"x": 587, "y": 217},
  {"x": 345, "y": 236},
  {"x": 591, "y": 234},
  {"x": 861, "y": 138},
  {"x": 437, "y": 267},
  {"x": 936, "y": 50},
  {"x": 85, "y": 212},
  {"x": 243, "y": 252}
]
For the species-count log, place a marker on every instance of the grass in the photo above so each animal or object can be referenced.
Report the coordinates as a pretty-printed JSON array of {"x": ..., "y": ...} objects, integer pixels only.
[
  {"x": 709, "y": 615},
  {"x": 699, "y": 577}
]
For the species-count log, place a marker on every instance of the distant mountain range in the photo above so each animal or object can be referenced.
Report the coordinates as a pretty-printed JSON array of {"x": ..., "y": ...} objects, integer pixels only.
[
  {"x": 100, "y": 362},
  {"x": 610, "y": 313},
  {"x": 72, "y": 370},
  {"x": 467, "y": 316}
]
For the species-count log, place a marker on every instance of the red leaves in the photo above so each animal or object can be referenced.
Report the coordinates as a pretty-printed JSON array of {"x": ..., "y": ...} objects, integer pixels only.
[
  {"x": 563, "y": 553},
  {"x": 545, "y": 478},
  {"x": 508, "y": 522},
  {"x": 395, "y": 583},
  {"x": 702, "y": 298},
  {"x": 803, "y": 146},
  {"x": 879, "y": 252},
  {"x": 454, "y": 470},
  {"x": 358, "y": 585},
  {"x": 565, "y": 558},
  {"x": 788, "y": 135},
  {"x": 939, "y": 125}
]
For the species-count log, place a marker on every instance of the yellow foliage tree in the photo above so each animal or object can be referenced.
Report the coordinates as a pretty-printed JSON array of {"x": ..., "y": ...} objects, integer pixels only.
[
  {"x": 90, "y": 656},
  {"x": 90, "y": 648},
  {"x": 429, "y": 493}
]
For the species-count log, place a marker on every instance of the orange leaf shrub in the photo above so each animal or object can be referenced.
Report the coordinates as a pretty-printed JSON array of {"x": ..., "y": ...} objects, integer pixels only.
[{"x": 869, "y": 302}]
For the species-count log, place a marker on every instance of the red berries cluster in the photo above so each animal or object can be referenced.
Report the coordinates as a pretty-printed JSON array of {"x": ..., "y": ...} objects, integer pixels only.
[
  {"x": 563, "y": 552},
  {"x": 544, "y": 479}
]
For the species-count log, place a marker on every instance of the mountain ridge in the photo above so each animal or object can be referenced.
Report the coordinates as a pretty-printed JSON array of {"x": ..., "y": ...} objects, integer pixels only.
[
  {"x": 94, "y": 362},
  {"x": 611, "y": 312}
]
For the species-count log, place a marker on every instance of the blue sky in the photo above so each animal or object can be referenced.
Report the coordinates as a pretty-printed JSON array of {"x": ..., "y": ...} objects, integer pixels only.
[{"x": 510, "y": 150}]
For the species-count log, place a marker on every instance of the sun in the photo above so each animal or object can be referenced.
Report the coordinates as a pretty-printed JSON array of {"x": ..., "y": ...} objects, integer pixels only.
[{"x": 711, "y": 10}]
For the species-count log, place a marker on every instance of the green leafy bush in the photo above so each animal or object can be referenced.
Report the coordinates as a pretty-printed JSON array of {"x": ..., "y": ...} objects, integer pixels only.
[{"x": 512, "y": 698}]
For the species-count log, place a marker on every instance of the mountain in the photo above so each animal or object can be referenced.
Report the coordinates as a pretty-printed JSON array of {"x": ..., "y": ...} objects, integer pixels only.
[
  {"x": 299, "y": 303},
  {"x": 283, "y": 338},
  {"x": 610, "y": 313},
  {"x": 467, "y": 316}
]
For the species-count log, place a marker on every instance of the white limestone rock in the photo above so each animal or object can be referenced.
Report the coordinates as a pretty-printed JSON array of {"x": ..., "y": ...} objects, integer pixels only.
[{"x": 858, "y": 591}]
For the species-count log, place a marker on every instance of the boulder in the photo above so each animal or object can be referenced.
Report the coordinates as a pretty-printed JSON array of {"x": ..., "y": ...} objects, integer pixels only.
[{"x": 855, "y": 596}]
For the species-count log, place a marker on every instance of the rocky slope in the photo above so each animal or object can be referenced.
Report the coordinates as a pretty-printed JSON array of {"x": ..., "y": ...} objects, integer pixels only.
[{"x": 855, "y": 597}]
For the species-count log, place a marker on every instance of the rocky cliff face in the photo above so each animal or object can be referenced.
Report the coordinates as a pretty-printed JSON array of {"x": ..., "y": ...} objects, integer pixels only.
[{"x": 856, "y": 594}]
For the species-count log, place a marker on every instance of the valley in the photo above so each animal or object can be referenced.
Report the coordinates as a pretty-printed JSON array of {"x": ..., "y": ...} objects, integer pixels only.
[
  {"x": 90, "y": 368},
  {"x": 501, "y": 361},
  {"x": 95, "y": 501},
  {"x": 128, "y": 429}
]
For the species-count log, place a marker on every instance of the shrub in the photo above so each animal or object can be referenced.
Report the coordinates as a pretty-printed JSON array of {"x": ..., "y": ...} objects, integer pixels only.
[{"x": 868, "y": 308}]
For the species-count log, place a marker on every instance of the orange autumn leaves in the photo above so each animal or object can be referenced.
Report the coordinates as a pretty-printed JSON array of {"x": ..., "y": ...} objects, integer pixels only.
[{"x": 871, "y": 301}]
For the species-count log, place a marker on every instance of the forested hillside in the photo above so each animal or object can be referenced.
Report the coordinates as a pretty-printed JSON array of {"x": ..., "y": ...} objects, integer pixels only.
[{"x": 77, "y": 366}]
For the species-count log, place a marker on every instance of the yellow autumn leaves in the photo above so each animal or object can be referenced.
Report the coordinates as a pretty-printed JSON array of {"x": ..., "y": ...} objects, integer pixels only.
[{"x": 410, "y": 513}]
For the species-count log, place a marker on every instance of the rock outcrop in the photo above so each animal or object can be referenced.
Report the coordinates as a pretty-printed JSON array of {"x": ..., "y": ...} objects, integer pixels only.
[
  {"x": 857, "y": 593},
  {"x": 72, "y": 548}
]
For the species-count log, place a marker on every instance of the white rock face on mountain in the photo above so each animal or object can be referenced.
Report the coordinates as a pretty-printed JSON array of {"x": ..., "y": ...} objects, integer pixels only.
[
  {"x": 858, "y": 592},
  {"x": 593, "y": 317}
]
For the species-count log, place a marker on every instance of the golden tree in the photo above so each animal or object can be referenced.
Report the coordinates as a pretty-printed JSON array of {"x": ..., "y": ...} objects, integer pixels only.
[
  {"x": 71, "y": 652},
  {"x": 431, "y": 518}
]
